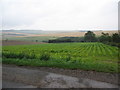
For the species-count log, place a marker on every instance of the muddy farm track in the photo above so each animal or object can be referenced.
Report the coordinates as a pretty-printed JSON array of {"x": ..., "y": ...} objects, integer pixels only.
[{"x": 92, "y": 75}]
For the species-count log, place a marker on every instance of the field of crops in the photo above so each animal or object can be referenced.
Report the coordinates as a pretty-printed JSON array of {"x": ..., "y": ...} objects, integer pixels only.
[
  {"x": 39, "y": 39},
  {"x": 86, "y": 56}
]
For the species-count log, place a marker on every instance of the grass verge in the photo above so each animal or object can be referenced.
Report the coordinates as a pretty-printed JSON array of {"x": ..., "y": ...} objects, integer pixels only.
[{"x": 96, "y": 66}]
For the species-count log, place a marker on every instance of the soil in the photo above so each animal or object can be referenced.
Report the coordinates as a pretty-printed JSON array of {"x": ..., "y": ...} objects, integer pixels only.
[
  {"x": 99, "y": 76},
  {"x": 40, "y": 78}
]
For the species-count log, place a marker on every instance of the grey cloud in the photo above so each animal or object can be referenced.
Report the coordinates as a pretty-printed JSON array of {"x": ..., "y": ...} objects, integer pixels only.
[{"x": 60, "y": 14}]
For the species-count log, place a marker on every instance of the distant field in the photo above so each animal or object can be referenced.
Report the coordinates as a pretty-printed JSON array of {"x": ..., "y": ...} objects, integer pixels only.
[
  {"x": 42, "y": 36},
  {"x": 13, "y": 42},
  {"x": 51, "y": 34},
  {"x": 86, "y": 56},
  {"x": 75, "y": 34},
  {"x": 33, "y": 39}
]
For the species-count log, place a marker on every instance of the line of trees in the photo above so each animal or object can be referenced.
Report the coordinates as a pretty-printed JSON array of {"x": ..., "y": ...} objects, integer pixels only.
[
  {"x": 113, "y": 39},
  {"x": 59, "y": 41},
  {"x": 105, "y": 37},
  {"x": 90, "y": 36}
]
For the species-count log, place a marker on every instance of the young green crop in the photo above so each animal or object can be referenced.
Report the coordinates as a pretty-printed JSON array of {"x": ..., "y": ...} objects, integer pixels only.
[{"x": 87, "y": 56}]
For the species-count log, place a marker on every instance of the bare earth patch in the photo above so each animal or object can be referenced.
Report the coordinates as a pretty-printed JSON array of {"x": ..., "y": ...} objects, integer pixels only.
[
  {"x": 99, "y": 76},
  {"x": 40, "y": 78}
]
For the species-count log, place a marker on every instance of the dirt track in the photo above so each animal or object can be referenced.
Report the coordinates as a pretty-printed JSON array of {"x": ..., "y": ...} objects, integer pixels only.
[
  {"x": 43, "y": 79},
  {"x": 99, "y": 76}
]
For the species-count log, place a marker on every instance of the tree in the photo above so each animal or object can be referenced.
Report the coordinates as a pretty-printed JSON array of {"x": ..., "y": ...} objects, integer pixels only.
[
  {"x": 116, "y": 38},
  {"x": 90, "y": 37},
  {"x": 105, "y": 37}
]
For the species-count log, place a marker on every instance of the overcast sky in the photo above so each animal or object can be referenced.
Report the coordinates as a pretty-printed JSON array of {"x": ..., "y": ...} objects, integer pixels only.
[{"x": 60, "y": 14}]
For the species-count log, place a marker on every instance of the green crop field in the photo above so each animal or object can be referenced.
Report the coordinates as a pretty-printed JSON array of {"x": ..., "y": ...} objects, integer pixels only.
[
  {"x": 39, "y": 38},
  {"x": 85, "y": 56}
]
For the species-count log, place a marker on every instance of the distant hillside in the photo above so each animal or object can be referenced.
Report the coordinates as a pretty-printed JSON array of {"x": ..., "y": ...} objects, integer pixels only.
[{"x": 40, "y": 33}]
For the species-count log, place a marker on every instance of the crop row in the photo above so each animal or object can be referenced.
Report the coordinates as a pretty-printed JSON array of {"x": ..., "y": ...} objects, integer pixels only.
[{"x": 71, "y": 51}]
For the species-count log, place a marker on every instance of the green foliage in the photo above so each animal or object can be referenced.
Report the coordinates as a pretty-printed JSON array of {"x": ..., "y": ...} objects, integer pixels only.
[
  {"x": 33, "y": 39},
  {"x": 105, "y": 38},
  {"x": 113, "y": 40},
  {"x": 68, "y": 58},
  {"x": 9, "y": 55},
  {"x": 87, "y": 56},
  {"x": 67, "y": 39},
  {"x": 116, "y": 37},
  {"x": 90, "y": 37},
  {"x": 45, "y": 56},
  {"x": 20, "y": 55}
]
